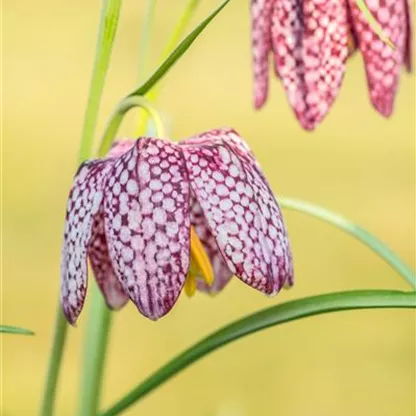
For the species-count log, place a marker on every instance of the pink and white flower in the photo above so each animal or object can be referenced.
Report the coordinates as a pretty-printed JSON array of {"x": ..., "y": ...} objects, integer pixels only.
[
  {"x": 146, "y": 215},
  {"x": 310, "y": 41}
]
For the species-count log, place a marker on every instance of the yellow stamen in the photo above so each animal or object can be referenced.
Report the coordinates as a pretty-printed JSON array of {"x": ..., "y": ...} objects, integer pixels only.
[
  {"x": 200, "y": 265},
  {"x": 190, "y": 285}
]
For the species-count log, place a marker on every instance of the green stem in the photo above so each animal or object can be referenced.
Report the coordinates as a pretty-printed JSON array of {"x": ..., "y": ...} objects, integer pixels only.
[
  {"x": 110, "y": 12},
  {"x": 174, "y": 39},
  {"x": 144, "y": 49},
  {"x": 276, "y": 315},
  {"x": 356, "y": 231},
  {"x": 55, "y": 360},
  {"x": 117, "y": 117},
  {"x": 180, "y": 27},
  {"x": 96, "y": 341},
  {"x": 108, "y": 27}
]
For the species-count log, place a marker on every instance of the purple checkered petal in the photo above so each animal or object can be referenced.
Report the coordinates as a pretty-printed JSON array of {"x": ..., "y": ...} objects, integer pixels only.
[
  {"x": 105, "y": 276},
  {"x": 240, "y": 209},
  {"x": 147, "y": 224},
  {"x": 382, "y": 62},
  {"x": 222, "y": 273},
  {"x": 84, "y": 202}
]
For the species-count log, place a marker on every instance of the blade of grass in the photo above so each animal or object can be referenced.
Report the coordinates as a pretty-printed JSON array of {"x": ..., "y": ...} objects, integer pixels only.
[
  {"x": 356, "y": 231},
  {"x": 174, "y": 39},
  {"x": 7, "y": 329},
  {"x": 276, "y": 315},
  {"x": 176, "y": 53},
  {"x": 108, "y": 28}
]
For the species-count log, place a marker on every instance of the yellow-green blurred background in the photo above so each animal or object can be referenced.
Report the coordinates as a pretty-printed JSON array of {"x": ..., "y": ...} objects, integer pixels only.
[{"x": 356, "y": 163}]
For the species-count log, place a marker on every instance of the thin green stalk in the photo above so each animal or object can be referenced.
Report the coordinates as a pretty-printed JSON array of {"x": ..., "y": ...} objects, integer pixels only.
[
  {"x": 276, "y": 315},
  {"x": 110, "y": 11},
  {"x": 96, "y": 341},
  {"x": 117, "y": 117},
  {"x": 356, "y": 231},
  {"x": 97, "y": 332},
  {"x": 144, "y": 49},
  {"x": 55, "y": 360},
  {"x": 174, "y": 39},
  {"x": 180, "y": 27},
  {"x": 110, "y": 14}
]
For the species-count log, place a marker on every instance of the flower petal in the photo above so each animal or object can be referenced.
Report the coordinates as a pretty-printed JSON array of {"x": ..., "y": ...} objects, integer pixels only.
[
  {"x": 120, "y": 147},
  {"x": 222, "y": 273},
  {"x": 240, "y": 209},
  {"x": 310, "y": 48},
  {"x": 382, "y": 62},
  {"x": 147, "y": 224},
  {"x": 107, "y": 281},
  {"x": 83, "y": 203},
  {"x": 261, "y": 46}
]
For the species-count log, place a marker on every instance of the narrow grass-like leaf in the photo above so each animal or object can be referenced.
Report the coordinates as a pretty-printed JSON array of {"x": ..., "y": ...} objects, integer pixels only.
[
  {"x": 174, "y": 39},
  {"x": 7, "y": 329},
  {"x": 276, "y": 315},
  {"x": 106, "y": 35},
  {"x": 356, "y": 231},
  {"x": 177, "y": 53}
]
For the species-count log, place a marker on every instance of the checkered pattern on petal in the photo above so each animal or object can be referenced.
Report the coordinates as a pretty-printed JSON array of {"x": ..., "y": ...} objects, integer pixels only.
[
  {"x": 147, "y": 224},
  {"x": 105, "y": 276},
  {"x": 240, "y": 210},
  {"x": 382, "y": 62},
  {"x": 222, "y": 273},
  {"x": 310, "y": 49},
  {"x": 83, "y": 203}
]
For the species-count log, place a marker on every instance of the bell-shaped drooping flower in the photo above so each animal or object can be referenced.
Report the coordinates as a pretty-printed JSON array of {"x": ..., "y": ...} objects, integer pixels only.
[
  {"x": 155, "y": 217},
  {"x": 311, "y": 40}
]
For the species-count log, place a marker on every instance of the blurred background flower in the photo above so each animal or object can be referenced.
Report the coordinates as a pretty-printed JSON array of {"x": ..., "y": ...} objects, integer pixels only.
[
  {"x": 357, "y": 163},
  {"x": 310, "y": 41}
]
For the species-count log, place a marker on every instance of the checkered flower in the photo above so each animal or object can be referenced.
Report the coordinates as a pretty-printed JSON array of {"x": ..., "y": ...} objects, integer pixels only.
[
  {"x": 311, "y": 40},
  {"x": 155, "y": 217}
]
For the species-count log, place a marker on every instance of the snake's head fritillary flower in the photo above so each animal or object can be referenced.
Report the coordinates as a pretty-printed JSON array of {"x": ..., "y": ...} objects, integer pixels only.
[
  {"x": 311, "y": 40},
  {"x": 155, "y": 217}
]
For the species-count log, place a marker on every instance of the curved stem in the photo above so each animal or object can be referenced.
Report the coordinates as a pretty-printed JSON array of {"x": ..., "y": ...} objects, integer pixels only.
[
  {"x": 174, "y": 39},
  {"x": 276, "y": 315},
  {"x": 110, "y": 12},
  {"x": 125, "y": 105},
  {"x": 356, "y": 231}
]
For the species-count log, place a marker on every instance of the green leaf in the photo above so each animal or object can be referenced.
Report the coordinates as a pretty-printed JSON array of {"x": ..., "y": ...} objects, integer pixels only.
[
  {"x": 7, "y": 329},
  {"x": 176, "y": 54},
  {"x": 110, "y": 14},
  {"x": 276, "y": 315},
  {"x": 356, "y": 231}
]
